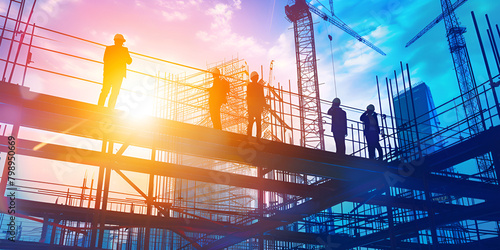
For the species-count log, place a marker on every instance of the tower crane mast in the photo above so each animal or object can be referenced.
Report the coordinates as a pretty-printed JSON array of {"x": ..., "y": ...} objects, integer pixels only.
[{"x": 463, "y": 69}]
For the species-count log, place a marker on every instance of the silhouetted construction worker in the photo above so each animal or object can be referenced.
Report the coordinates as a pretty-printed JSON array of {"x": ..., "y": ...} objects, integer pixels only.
[
  {"x": 339, "y": 125},
  {"x": 217, "y": 96},
  {"x": 116, "y": 58},
  {"x": 255, "y": 103},
  {"x": 372, "y": 130}
]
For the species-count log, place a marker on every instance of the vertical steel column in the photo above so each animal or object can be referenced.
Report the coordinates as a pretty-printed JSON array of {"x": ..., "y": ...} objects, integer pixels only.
[
  {"x": 18, "y": 19},
  {"x": 20, "y": 15},
  {"x": 149, "y": 202},
  {"x": 390, "y": 97},
  {"x": 493, "y": 43},
  {"x": 488, "y": 105},
  {"x": 403, "y": 140},
  {"x": 260, "y": 174},
  {"x": 352, "y": 134},
  {"x": 390, "y": 218},
  {"x": 396, "y": 143},
  {"x": 272, "y": 105},
  {"x": 414, "y": 112},
  {"x": 5, "y": 23},
  {"x": 492, "y": 84},
  {"x": 430, "y": 211},
  {"x": 21, "y": 39},
  {"x": 291, "y": 111},
  {"x": 381, "y": 119},
  {"x": 45, "y": 226},
  {"x": 498, "y": 32},
  {"x": 493, "y": 46},
  {"x": 495, "y": 157},
  {"x": 105, "y": 190},
  {"x": 97, "y": 205},
  {"x": 282, "y": 113},
  {"x": 410, "y": 137},
  {"x": 54, "y": 230},
  {"x": 28, "y": 57}
]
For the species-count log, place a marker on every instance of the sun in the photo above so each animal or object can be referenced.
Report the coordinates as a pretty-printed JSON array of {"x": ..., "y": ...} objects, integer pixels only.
[{"x": 138, "y": 114}]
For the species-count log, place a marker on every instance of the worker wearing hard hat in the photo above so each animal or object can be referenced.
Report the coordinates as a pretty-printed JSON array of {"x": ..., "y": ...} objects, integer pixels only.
[
  {"x": 116, "y": 58},
  {"x": 339, "y": 125},
  {"x": 255, "y": 102},
  {"x": 217, "y": 96},
  {"x": 371, "y": 131}
]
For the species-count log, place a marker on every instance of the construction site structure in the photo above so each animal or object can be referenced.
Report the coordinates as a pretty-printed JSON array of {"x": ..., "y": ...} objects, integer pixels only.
[
  {"x": 167, "y": 180},
  {"x": 463, "y": 69}
]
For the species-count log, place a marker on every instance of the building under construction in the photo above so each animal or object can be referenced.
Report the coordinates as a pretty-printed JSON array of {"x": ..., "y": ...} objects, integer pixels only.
[{"x": 167, "y": 180}]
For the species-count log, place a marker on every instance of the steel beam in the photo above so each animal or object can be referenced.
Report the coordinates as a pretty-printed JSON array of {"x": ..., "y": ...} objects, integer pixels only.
[{"x": 126, "y": 163}]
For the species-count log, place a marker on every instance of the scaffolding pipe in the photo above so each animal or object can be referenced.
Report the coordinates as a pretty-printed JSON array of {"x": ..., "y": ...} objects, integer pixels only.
[
  {"x": 21, "y": 39},
  {"x": 414, "y": 112},
  {"x": 493, "y": 43},
  {"x": 401, "y": 128},
  {"x": 487, "y": 66},
  {"x": 389, "y": 99},
  {"x": 381, "y": 119},
  {"x": 493, "y": 47},
  {"x": 28, "y": 56}
]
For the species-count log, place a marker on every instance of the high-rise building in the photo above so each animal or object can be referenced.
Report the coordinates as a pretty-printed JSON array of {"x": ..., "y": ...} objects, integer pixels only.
[{"x": 415, "y": 112}]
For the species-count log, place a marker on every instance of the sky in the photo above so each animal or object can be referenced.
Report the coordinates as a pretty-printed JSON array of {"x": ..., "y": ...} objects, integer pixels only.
[{"x": 199, "y": 32}]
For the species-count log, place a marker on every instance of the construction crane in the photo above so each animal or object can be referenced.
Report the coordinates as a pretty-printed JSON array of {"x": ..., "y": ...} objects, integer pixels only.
[
  {"x": 299, "y": 13},
  {"x": 463, "y": 69},
  {"x": 434, "y": 22}
]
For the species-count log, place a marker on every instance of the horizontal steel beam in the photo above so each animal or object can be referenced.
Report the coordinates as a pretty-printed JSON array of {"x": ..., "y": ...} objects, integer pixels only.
[
  {"x": 121, "y": 219},
  {"x": 89, "y": 121},
  {"x": 126, "y": 163},
  {"x": 464, "y": 213}
]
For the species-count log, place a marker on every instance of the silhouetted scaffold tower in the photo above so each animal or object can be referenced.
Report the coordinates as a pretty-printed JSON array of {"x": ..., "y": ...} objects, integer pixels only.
[{"x": 463, "y": 69}]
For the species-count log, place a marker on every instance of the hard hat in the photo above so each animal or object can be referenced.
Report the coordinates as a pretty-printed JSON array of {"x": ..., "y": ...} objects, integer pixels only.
[
  {"x": 216, "y": 71},
  {"x": 336, "y": 101},
  {"x": 370, "y": 107},
  {"x": 254, "y": 74},
  {"x": 119, "y": 37}
]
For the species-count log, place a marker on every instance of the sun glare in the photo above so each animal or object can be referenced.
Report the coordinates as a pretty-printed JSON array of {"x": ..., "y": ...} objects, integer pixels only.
[{"x": 140, "y": 114}]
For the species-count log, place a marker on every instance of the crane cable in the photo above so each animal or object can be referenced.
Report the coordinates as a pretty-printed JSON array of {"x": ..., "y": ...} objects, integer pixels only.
[
  {"x": 333, "y": 66},
  {"x": 331, "y": 46}
]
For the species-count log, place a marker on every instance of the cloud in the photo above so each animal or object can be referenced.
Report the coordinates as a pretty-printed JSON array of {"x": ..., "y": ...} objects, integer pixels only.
[
  {"x": 222, "y": 15},
  {"x": 380, "y": 32},
  {"x": 237, "y": 4},
  {"x": 52, "y": 7},
  {"x": 176, "y": 15},
  {"x": 283, "y": 54},
  {"x": 358, "y": 57},
  {"x": 358, "y": 63},
  {"x": 221, "y": 34},
  {"x": 171, "y": 10},
  {"x": 179, "y": 4}
]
